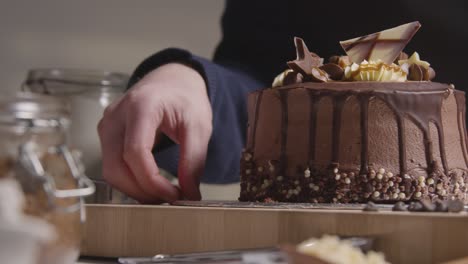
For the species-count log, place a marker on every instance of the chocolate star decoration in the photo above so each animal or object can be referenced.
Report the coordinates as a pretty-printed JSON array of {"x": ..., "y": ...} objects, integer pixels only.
[{"x": 305, "y": 60}]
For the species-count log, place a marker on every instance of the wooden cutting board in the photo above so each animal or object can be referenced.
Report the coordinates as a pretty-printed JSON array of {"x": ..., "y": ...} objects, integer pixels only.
[{"x": 137, "y": 230}]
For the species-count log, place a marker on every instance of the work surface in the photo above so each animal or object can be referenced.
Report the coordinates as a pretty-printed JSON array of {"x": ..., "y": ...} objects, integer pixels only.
[{"x": 119, "y": 230}]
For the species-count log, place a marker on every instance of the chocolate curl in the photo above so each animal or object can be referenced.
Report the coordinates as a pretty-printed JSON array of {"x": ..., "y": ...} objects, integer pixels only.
[
  {"x": 305, "y": 60},
  {"x": 334, "y": 71}
]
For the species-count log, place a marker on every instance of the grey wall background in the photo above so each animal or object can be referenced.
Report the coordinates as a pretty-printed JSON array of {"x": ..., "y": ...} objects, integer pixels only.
[{"x": 100, "y": 34}]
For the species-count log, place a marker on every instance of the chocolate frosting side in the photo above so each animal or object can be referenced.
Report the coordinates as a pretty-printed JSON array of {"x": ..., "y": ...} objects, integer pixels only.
[
  {"x": 312, "y": 125},
  {"x": 338, "y": 103},
  {"x": 422, "y": 107},
  {"x": 419, "y": 101},
  {"x": 461, "y": 109},
  {"x": 253, "y": 129}
]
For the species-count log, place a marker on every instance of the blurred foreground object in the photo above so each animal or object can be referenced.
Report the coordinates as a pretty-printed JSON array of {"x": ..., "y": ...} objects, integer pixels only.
[{"x": 33, "y": 135}]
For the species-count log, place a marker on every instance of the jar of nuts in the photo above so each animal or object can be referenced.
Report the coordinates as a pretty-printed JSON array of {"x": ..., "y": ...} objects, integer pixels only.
[{"x": 33, "y": 135}]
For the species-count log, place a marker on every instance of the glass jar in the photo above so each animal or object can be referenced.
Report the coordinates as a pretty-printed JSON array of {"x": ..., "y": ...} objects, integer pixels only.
[
  {"x": 33, "y": 133},
  {"x": 89, "y": 93}
]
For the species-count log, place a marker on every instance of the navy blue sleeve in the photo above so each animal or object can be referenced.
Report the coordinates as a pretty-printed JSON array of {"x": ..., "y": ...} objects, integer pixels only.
[{"x": 228, "y": 87}]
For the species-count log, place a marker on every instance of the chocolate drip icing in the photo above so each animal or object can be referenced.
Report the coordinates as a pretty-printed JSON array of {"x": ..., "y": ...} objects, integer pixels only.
[
  {"x": 284, "y": 130},
  {"x": 253, "y": 130},
  {"x": 402, "y": 145},
  {"x": 422, "y": 108},
  {"x": 364, "y": 109},
  {"x": 314, "y": 99},
  {"x": 338, "y": 104},
  {"x": 461, "y": 111}
]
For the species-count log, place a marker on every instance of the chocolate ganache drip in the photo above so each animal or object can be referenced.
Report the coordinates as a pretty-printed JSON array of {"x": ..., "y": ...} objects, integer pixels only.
[
  {"x": 284, "y": 130},
  {"x": 461, "y": 111},
  {"x": 364, "y": 108}
]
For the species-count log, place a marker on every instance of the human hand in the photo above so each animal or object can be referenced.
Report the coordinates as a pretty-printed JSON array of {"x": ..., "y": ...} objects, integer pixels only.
[{"x": 172, "y": 100}]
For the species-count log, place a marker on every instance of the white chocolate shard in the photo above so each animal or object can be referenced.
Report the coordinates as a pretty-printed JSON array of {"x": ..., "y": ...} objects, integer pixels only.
[{"x": 385, "y": 45}]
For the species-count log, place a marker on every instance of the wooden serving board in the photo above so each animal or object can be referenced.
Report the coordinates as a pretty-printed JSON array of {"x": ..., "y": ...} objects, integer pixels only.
[{"x": 138, "y": 230}]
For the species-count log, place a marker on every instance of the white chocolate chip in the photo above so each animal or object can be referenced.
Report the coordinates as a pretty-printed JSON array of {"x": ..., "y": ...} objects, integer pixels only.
[
  {"x": 430, "y": 181},
  {"x": 296, "y": 182},
  {"x": 260, "y": 169},
  {"x": 395, "y": 195},
  {"x": 443, "y": 192},
  {"x": 347, "y": 181},
  {"x": 439, "y": 186},
  {"x": 248, "y": 171},
  {"x": 457, "y": 185},
  {"x": 254, "y": 189},
  {"x": 352, "y": 174},
  {"x": 418, "y": 194},
  {"x": 337, "y": 177},
  {"x": 311, "y": 185},
  {"x": 402, "y": 195},
  {"x": 247, "y": 156},
  {"x": 422, "y": 184},
  {"x": 335, "y": 170},
  {"x": 390, "y": 183},
  {"x": 316, "y": 188},
  {"x": 381, "y": 170},
  {"x": 389, "y": 174},
  {"x": 307, "y": 173},
  {"x": 421, "y": 179},
  {"x": 376, "y": 194},
  {"x": 379, "y": 176},
  {"x": 279, "y": 178},
  {"x": 406, "y": 176},
  {"x": 397, "y": 190}
]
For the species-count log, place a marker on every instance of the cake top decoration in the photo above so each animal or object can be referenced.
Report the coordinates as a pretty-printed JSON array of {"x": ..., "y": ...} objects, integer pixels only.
[{"x": 377, "y": 57}]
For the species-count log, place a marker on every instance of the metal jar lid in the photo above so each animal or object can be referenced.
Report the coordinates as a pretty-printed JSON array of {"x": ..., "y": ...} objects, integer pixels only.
[
  {"x": 33, "y": 110},
  {"x": 72, "y": 81}
]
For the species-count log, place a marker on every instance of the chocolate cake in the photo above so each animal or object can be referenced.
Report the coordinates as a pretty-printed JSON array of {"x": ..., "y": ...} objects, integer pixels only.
[{"x": 357, "y": 129}]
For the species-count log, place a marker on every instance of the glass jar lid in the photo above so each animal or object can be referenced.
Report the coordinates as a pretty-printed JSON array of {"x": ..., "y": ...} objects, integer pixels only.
[
  {"x": 33, "y": 110},
  {"x": 62, "y": 81}
]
